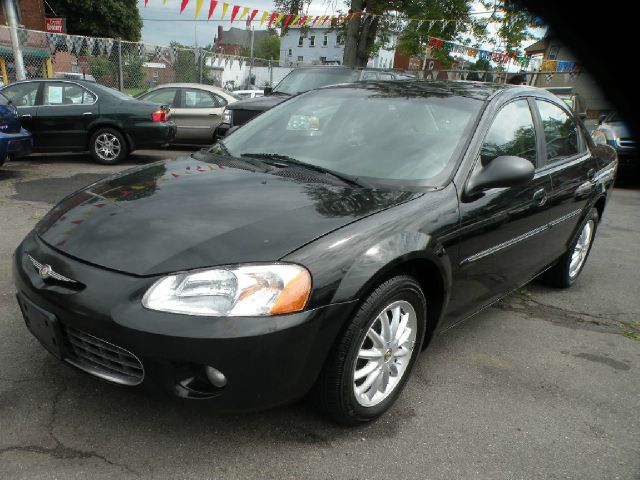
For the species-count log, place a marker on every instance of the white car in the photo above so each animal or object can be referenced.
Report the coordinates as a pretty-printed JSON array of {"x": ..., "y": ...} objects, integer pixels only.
[{"x": 196, "y": 108}]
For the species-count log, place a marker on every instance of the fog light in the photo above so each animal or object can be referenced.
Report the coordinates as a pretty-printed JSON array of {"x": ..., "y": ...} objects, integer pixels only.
[{"x": 215, "y": 376}]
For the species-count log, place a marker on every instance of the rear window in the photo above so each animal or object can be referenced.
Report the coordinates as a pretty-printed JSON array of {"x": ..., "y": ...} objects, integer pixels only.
[{"x": 306, "y": 79}]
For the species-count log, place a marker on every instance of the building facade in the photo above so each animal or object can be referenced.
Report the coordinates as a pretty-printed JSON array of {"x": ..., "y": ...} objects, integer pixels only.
[
  {"x": 30, "y": 14},
  {"x": 322, "y": 46}
]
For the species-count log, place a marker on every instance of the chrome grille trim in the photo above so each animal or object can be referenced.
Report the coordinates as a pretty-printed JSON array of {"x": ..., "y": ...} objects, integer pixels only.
[
  {"x": 103, "y": 359},
  {"x": 51, "y": 273}
]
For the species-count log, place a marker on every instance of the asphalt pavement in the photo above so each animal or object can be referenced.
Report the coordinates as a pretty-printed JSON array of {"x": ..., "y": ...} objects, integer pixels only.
[{"x": 546, "y": 384}]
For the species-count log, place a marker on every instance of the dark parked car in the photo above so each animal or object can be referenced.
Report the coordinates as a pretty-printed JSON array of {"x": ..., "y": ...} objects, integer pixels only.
[
  {"x": 15, "y": 141},
  {"x": 298, "y": 81},
  {"x": 611, "y": 130},
  {"x": 318, "y": 247},
  {"x": 76, "y": 115}
]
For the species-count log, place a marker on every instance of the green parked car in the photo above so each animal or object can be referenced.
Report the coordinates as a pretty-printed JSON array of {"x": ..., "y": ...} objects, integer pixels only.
[{"x": 77, "y": 115}]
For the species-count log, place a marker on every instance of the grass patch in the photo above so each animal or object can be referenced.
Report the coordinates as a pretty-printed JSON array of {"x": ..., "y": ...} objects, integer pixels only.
[{"x": 632, "y": 335}]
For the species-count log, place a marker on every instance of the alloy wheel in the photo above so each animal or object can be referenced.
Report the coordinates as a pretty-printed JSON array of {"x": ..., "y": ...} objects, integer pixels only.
[
  {"x": 385, "y": 353},
  {"x": 581, "y": 249},
  {"x": 107, "y": 146}
]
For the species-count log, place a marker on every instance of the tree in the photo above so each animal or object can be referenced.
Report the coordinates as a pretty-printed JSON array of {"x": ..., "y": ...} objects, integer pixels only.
[
  {"x": 185, "y": 64},
  {"x": 268, "y": 48},
  {"x": 106, "y": 18}
]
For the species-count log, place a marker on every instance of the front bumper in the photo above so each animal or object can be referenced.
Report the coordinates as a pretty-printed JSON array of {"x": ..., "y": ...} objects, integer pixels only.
[{"x": 267, "y": 361}]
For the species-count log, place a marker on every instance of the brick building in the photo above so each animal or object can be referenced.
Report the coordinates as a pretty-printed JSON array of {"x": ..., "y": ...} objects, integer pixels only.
[{"x": 30, "y": 14}]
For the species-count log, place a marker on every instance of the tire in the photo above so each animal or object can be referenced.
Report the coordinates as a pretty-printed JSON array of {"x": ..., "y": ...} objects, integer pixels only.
[
  {"x": 564, "y": 273},
  {"x": 334, "y": 393},
  {"x": 108, "y": 146}
]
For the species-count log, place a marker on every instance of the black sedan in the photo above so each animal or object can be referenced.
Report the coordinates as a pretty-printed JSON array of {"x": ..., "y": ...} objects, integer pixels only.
[
  {"x": 318, "y": 248},
  {"x": 77, "y": 115}
]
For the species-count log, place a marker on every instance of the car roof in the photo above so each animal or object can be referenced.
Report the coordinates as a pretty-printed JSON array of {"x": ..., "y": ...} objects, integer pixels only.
[
  {"x": 189, "y": 85},
  {"x": 417, "y": 88}
]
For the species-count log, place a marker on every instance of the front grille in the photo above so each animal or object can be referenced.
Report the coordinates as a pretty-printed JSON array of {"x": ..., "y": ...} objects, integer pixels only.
[
  {"x": 240, "y": 117},
  {"x": 102, "y": 359}
]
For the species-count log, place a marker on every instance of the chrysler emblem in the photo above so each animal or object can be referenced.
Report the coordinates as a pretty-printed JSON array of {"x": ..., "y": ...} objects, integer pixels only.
[{"x": 45, "y": 271}]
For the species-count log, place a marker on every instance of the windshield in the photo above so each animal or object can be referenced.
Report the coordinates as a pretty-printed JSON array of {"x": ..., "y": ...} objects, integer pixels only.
[
  {"x": 306, "y": 79},
  {"x": 380, "y": 136}
]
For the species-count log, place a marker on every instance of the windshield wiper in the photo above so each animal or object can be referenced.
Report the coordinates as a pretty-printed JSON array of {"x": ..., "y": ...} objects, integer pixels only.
[{"x": 285, "y": 161}]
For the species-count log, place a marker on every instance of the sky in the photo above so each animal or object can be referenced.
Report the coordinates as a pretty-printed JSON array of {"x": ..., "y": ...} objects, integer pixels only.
[{"x": 170, "y": 25}]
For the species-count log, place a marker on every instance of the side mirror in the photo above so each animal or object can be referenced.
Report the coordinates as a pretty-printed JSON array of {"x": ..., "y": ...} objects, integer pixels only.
[
  {"x": 601, "y": 119},
  {"x": 501, "y": 172},
  {"x": 268, "y": 90}
]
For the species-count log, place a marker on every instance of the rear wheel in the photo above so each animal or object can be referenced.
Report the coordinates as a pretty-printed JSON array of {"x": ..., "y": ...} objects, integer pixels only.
[
  {"x": 108, "y": 146},
  {"x": 566, "y": 272},
  {"x": 372, "y": 360}
]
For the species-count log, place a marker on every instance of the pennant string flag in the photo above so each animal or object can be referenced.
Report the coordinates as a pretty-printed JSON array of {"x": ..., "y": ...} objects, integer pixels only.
[
  {"x": 183, "y": 5},
  {"x": 234, "y": 12},
  {"x": 264, "y": 17},
  {"x": 212, "y": 7},
  {"x": 253, "y": 14},
  {"x": 198, "y": 7},
  {"x": 225, "y": 7},
  {"x": 245, "y": 12},
  {"x": 280, "y": 15},
  {"x": 286, "y": 21},
  {"x": 272, "y": 18}
]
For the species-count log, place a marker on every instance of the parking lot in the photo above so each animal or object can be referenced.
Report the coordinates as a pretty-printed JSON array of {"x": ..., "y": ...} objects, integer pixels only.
[{"x": 545, "y": 384}]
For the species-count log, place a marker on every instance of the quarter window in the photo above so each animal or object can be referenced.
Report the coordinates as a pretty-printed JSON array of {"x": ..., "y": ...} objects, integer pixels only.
[
  {"x": 512, "y": 133},
  {"x": 560, "y": 132}
]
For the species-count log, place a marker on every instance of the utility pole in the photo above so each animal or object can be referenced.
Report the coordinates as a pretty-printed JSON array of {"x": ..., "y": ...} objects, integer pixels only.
[
  {"x": 12, "y": 19},
  {"x": 251, "y": 58}
]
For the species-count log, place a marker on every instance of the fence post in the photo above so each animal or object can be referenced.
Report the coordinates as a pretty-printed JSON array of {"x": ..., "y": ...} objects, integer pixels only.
[
  {"x": 120, "y": 79},
  {"x": 12, "y": 19},
  {"x": 270, "y": 73}
]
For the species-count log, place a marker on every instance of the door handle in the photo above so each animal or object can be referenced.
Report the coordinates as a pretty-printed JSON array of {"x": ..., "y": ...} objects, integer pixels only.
[
  {"x": 540, "y": 197},
  {"x": 26, "y": 115},
  {"x": 87, "y": 113}
]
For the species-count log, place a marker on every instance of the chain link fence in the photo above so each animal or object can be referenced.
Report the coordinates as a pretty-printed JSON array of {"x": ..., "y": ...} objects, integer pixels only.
[{"x": 132, "y": 67}]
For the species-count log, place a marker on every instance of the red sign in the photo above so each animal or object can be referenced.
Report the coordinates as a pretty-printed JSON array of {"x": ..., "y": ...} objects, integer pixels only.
[{"x": 55, "y": 25}]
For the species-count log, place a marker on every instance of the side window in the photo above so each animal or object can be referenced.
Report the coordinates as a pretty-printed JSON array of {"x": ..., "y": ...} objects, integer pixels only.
[
  {"x": 369, "y": 76},
  {"x": 512, "y": 133},
  {"x": 560, "y": 132},
  {"x": 22, "y": 94},
  {"x": 221, "y": 101},
  {"x": 66, "y": 94},
  {"x": 192, "y": 98},
  {"x": 164, "y": 96}
]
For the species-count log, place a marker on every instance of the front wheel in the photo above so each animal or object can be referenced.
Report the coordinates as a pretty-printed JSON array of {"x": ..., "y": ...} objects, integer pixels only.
[
  {"x": 108, "y": 146},
  {"x": 567, "y": 270},
  {"x": 372, "y": 360}
]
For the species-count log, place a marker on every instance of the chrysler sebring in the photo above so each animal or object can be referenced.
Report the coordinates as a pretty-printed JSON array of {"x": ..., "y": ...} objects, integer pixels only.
[{"x": 315, "y": 251}]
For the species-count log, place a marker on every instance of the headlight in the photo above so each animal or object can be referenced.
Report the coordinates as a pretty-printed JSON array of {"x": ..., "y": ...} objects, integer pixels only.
[
  {"x": 227, "y": 116},
  {"x": 599, "y": 138},
  {"x": 251, "y": 290}
]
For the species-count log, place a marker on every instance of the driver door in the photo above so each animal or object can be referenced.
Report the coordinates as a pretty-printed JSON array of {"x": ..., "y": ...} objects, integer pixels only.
[{"x": 503, "y": 231}]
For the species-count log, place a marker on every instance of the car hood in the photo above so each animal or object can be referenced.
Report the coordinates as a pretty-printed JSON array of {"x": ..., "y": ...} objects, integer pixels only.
[
  {"x": 258, "y": 103},
  {"x": 186, "y": 214}
]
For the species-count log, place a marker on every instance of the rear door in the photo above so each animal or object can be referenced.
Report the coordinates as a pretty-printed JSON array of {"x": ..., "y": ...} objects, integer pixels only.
[
  {"x": 503, "y": 231},
  {"x": 572, "y": 167},
  {"x": 65, "y": 116},
  {"x": 197, "y": 115}
]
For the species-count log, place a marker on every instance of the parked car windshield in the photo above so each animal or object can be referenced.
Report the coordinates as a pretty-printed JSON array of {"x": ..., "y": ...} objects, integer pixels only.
[
  {"x": 306, "y": 79},
  {"x": 384, "y": 136}
]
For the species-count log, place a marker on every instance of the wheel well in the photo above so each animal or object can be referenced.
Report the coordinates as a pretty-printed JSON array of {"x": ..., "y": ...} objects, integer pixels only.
[
  {"x": 113, "y": 127},
  {"x": 599, "y": 206},
  {"x": 428, "y": 275}
]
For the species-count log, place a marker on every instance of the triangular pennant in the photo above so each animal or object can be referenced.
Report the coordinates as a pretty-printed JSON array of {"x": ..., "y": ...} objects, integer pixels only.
[
  {"x": 272, "y": 18},
  {"x": 252, "y": 16},
  {"x": 183, "y": 5},
  {"x": 444, "y": 25},
  {"x": 240, "y": 61},
  {"x": 225, "y": 7},
  {"x": 302, "y": 21},
  {"x": 234, "y": 12},
  {"x": 295, "y": 19},
  {"x": 245, "y": 12},
  {"x": 264, "y": 17},
  {"x": 198, "y": 7},
  {"x": 287, "y": 20},
  {"x": 280, "y": 16},
  {"x": 431, "y": 22},
  {"x": 315, "y": 20},
  {"x": 212, "y": 7},
  {"x": 91, "y": 43},
  {"x": 69, "y": 43}
]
